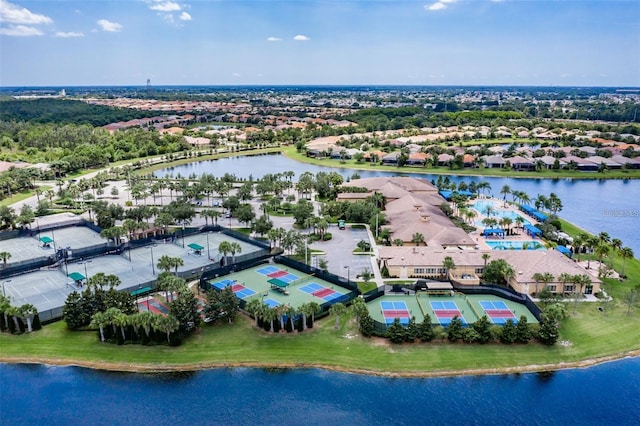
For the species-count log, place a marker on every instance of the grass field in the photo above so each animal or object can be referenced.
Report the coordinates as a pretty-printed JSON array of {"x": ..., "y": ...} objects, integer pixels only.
[{"x": 589, "y": 334}]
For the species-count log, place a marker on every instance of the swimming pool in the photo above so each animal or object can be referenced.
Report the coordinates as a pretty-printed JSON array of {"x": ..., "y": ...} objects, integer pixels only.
[
  {"x": 481, "y": 207},
  {"x": 515, "y": 245}
]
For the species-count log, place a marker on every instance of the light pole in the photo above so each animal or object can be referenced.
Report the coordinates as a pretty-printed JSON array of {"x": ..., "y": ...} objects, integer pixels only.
[
  {"x": 208, "y": 250},
  {"x": 348, "y": 275},
  {"x": 86, "y": 276},
  {"x": 4, "y": 294},
  {"x": 153, "y": 267}
]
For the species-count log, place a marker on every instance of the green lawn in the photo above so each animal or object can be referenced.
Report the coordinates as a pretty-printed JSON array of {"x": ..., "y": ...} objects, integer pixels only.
[{"x": 590, "y": 333}]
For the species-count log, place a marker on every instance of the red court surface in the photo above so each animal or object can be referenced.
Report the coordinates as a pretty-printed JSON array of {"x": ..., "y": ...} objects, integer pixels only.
[{"x": 322, "y": 293}]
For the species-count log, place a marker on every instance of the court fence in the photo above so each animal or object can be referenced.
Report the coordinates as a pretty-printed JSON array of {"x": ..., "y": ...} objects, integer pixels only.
[
  {"x": 503, "y": 292},
  {"x": 506, "y": 293},
  {"x": 262, "y": 259}
]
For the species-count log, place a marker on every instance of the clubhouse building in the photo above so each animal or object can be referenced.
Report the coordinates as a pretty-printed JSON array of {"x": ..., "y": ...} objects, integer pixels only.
[{"x": 413, "y": 206}]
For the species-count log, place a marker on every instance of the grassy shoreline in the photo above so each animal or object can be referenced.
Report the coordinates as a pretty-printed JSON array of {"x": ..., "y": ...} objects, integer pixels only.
[
  {"x": 290, "y": 152},
  {"x": 155, "y": 368}
]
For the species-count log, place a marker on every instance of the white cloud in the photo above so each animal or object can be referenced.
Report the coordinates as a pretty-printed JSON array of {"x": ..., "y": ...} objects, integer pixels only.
[
  {"x": 20, "y": 31},
  {"x": 68, "y": 34},
  {"x": 301, "y": 37},
  {"x": 439, "y": 5},
  {"x": 184, "y": 16},
  {"x": 236, "y": 74},
  {"x": 167, "y": 6},
  {"x": 108, "y": 26},
  {"x": 273, "y": 39},
  {"x": 15, "y": 14}
]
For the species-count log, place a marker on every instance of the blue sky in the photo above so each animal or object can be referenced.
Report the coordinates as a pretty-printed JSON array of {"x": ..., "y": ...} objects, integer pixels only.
[{"x": 287, "y": 42}]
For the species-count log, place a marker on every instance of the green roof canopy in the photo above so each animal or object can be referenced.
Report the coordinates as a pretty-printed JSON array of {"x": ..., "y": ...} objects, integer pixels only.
[
  {"x": 278, "y": 283},
  {"x": 46, "y": 240},
  {"x": 76, "y": 276},
  {"x": 196, "y": 247},
  {"x": 140, "y": 291}
]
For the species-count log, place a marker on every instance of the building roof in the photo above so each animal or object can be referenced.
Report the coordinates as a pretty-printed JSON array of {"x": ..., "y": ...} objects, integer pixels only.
[{"x": 524, "y": 262}]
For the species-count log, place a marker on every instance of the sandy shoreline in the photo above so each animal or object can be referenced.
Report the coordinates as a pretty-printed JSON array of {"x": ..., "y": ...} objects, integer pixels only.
[{"x": 167, "y": 368}]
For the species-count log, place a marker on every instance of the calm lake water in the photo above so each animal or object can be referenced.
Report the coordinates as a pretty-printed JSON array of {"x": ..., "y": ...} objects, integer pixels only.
[
  {"x": 611, "y": 206},
  {"x": 608, "y": 394}
]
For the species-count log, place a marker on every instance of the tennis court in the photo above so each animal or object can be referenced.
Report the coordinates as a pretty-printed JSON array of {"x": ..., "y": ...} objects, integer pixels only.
[
  {"x": 46, "y": 243},
  {"x": 239, "y": 290},
  {"x": 279, "y": 285},
  {"x": 498, "y": 311},
  {"x": 442, "y": 309},
  {"x": 154, "y": 305},
  {"x": 208, "y": 243},
  {"x": 392, "y": 310},
  {"x": 446, "y": 311},
  {"x": 44, "y": 289}
]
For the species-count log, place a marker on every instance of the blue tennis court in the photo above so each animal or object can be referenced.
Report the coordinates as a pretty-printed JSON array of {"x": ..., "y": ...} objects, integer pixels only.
[
  {"x": 311, "y": 287},
  {"x": 222, "y": 284},
  {"x": 497, "y": 305},
  {"x": 267, "y": 270},
  {"x": 271, "y": 303},
  {"x": 288, "y": 278},
  {"x": 243, "y": 293},
  {"x": 443, "y": 306},
  {"x": 393, "y": 310}
]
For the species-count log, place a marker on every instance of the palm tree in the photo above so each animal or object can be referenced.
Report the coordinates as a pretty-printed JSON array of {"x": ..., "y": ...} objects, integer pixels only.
[
  {"x": 234, "y": 248},
  {"x": 99, "y": 319},
  {"x": 578, "y": 242},
  {"x": 146, "y": 320},
  {"x": 417, "y": 238},
  {"x": 616, "y": 245},
  {"x": 625, "y": 253},
  {"x": 121, "y": 320},
  {"x": 167, "y": 324},
  {"x": 507, "y": 273},
  {"x": 165, "y": 263},
  {"x": 253, "y": 307},
  {"x": 601, "y": 250},
  {"x": 448, "y": 264},
  {"x": 224, "y": 247},
  {"x": 270, "y": 315},
  {"x": 176, "y": 262},
  {"x": 485, "y": 257},
  {"x": 5, "y": 255},
  {"x": 506, "y": 189},
  {"x": 5, "y": 305},
  {"x": 28, "y": 311},
  {"x": 337, "y": 309},
  {"x": 484, "y": 185},
  {"x": 314, "y": 308},
  {"x": 564, "y": 278},
  {"x": 385, "y": 236}
]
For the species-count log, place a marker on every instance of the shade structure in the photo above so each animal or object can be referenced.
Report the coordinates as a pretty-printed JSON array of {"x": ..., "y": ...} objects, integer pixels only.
[
  {"x": 196, "y": 247},
  {"x": 278, "y": 283},
  {"x": 76, "y": 276},
  {"x": 532, "y": 230}
]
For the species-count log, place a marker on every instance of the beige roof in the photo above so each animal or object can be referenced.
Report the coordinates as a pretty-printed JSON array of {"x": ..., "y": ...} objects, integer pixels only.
[
  {"x": 524, "y": 262},
  {"x": 396, "y": 185},
  {"x": 421, "y": 213}
]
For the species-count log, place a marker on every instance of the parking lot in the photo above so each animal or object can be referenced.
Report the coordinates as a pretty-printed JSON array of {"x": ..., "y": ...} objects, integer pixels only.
[{"x": 339, "y": 252}]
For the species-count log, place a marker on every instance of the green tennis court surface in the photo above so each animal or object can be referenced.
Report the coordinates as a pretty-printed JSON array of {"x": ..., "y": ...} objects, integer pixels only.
[
  {"x": 442, "y": 309},
  {"x": 280, "y": 285}
]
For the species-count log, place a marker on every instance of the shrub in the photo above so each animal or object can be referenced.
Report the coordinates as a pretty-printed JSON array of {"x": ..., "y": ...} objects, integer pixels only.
[{"x": 327, "y": 236}]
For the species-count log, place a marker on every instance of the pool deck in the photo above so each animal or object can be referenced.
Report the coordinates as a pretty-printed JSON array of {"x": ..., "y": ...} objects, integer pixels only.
[{"x": 501, "y": 206}]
